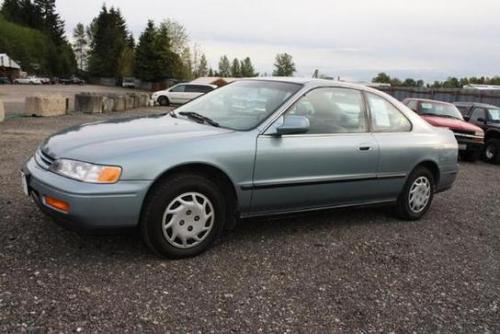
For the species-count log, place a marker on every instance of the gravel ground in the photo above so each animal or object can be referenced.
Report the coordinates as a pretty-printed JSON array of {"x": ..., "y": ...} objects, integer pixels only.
[{"x": 351, "y": 270}]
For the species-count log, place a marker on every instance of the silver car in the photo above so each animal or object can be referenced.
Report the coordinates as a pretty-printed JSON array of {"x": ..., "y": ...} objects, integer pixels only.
[{"x": 252, "y": 148}]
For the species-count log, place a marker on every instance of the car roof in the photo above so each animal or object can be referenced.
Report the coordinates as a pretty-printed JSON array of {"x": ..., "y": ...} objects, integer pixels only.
[
  {"x": 427, "y": 100},
  {"x": 197, "y": 84},
  {"x": 474, "y": 104},
  {"x": 313, "y": 82}
]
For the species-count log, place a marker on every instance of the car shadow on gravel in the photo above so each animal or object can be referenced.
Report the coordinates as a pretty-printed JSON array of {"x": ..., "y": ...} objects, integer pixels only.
[{"x": 127, "y": 246}]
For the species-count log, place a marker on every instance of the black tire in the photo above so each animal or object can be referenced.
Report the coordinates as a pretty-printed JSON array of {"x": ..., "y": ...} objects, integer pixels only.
[
  {"x": 163, "y": 101},
  {"x": 471, "y": 155},
  {"x": 491, "y": 151},
  {"x": 403, "y": 209},
  {"x": 165, "y": 193}
]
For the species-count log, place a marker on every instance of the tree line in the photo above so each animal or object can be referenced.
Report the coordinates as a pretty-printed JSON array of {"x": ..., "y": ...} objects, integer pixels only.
[
  {"x": 450, "y": 82},
  {"x": 105, "y": 48},
  {"x": 32, "y": 33}
]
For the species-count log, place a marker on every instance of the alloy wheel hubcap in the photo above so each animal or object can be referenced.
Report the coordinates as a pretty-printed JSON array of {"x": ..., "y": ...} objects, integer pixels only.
[
  {"x": 420, "y": 193},
  {"x": 188, "y": 220}
]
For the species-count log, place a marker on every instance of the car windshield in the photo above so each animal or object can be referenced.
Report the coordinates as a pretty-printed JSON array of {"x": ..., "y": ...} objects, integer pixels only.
[
  {"x": 440, "y": 109},
  {"x": 241, "y": 105},
  {"x": 494, "y": 115}
]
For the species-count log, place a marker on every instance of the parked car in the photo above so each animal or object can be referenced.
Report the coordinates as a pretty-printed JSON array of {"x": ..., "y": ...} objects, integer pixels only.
[
  {"x": 487, "y": 117},
  {"x": 183, "y": 177},
  {"x": 128, "y": 82},
  {"x": 4, "y": 81},
  {"x": 31, "y": 80},
  {"x": 45, "y": 81},
  {"x": 470, "y": 138},
  {"x": 73, "y": 80},
  {"x": 181, "y": 93}
]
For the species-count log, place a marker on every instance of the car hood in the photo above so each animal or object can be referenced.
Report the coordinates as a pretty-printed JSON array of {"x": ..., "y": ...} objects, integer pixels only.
[
  {"x": 452, "y": 124},
  {"x": 95, "y": 141}
]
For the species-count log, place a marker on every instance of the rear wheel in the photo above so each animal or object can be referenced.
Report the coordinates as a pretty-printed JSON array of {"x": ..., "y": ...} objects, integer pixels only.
[
  {"x": 492, "y": 151},
  {"x": 417, "y": 195},
  {"x": 163, "y": 101},
  {"x": 183, "y": 216}
]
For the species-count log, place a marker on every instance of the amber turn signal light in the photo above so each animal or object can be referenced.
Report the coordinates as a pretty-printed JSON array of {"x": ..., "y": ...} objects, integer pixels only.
[
  {"x": 109, "y": 174},
  {"x": 56, "y": 204}
]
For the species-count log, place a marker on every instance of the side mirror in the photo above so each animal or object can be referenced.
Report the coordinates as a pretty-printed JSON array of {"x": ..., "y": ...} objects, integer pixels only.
[
  {"x": 481, "y": 120},
  {"x": 293, "y": 124}
]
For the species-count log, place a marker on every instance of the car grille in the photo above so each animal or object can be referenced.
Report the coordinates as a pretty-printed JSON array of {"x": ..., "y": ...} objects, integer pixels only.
[{"x": 43, "y": 159}]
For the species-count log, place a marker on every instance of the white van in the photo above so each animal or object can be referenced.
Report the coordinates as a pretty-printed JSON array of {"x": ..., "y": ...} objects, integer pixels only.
[{"x": 181, "y": 93}]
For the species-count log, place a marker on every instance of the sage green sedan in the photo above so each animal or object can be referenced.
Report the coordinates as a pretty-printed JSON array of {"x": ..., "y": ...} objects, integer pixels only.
[{"x": 255, "y": 147}]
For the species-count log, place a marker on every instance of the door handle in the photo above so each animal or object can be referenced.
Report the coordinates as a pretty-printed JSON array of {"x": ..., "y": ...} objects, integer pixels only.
[{"x": 364, "y": 148}]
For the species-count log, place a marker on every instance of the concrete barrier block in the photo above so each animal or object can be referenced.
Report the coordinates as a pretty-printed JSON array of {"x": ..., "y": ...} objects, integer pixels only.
[
  {"x": 89, "y": 103},
  {"x": 143, "y": 99},
  {"x": 44, "y": 106},
  {"x": 129, "y": 101},
  {"x": 118, "y": 102},
  {"x": 108, "y": 104},
  {"x": 2, "y": 111}
]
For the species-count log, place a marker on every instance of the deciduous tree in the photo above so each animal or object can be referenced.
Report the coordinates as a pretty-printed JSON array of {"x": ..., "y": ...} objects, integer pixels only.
[{"x": 284, "y": 65}]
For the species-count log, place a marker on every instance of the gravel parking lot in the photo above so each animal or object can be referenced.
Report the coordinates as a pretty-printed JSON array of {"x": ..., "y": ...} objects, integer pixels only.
[
  {"x": 14, "y": 96},
  {"x": 350, "y": 270}
]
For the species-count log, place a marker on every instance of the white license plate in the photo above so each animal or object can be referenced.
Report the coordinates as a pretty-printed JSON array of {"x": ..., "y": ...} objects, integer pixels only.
[
  {"x": 462, "y": 146},
  {"x": 24, "y": 183}
]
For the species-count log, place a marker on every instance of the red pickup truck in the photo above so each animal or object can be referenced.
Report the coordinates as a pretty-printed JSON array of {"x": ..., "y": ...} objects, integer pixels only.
[{"x": 470, "y": 138}]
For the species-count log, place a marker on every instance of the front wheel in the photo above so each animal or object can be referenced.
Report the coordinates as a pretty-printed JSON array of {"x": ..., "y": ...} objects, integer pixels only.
[
  {"x": 163, "y": 101},
  {"x": 492, "y": 151},
  {"x": 417, "y": 194},
  {"x": 183, "y": 216}
]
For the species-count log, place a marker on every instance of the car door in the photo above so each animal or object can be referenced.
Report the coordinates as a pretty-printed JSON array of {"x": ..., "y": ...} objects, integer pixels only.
[
  {"x": 478, "y": 117},
  {"x": 334, "y": 163},
  {"x": 177, "y": 94},
  {"x": 398, "y": 145},
  {"x": 192, "y": 92}
]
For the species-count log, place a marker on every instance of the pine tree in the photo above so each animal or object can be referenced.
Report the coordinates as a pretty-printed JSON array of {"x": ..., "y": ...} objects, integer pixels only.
[
  {"x": 146, "y": 54},
  {"x": 109, "y": 38},
  {"x": 202, "y": 69},
  {"x": 235, "y": 68},
  {"x": 224, "y": 67},
  {"x": 247, "y": 69}
]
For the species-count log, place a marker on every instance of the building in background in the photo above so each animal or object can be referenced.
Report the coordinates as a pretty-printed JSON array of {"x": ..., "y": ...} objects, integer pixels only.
[{"x": 9, "y": 68}]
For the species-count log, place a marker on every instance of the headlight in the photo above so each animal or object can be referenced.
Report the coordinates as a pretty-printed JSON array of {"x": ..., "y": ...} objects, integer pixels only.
[
  {"x": 479, "y": 133},
  {"x": 86, "y": 172}
]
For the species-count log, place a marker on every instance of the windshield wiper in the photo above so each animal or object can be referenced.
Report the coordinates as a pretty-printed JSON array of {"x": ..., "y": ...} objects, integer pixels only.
[{"x": 199, "y": 117}]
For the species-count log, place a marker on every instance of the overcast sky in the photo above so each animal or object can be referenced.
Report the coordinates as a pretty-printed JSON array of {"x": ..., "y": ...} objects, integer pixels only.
[{"x": 354, "y": 39}]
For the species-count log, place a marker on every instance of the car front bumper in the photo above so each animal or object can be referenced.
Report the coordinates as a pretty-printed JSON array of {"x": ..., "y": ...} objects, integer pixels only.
[
  {"x": 93, "y": 207},
  {"x": 469, "y": 143}
]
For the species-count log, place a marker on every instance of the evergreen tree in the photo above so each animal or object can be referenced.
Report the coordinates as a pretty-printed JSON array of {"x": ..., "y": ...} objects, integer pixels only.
[
  {"x": 247, "y": 69},
  {"x": 224, "y": 67},
  {"x": 202, "y": 70},
  {"x": 235, "y": 68},
  {"x": 146, "y": 54},
  {"x": 109, "y": 38},
  {"x": 51, "y": 22}
]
